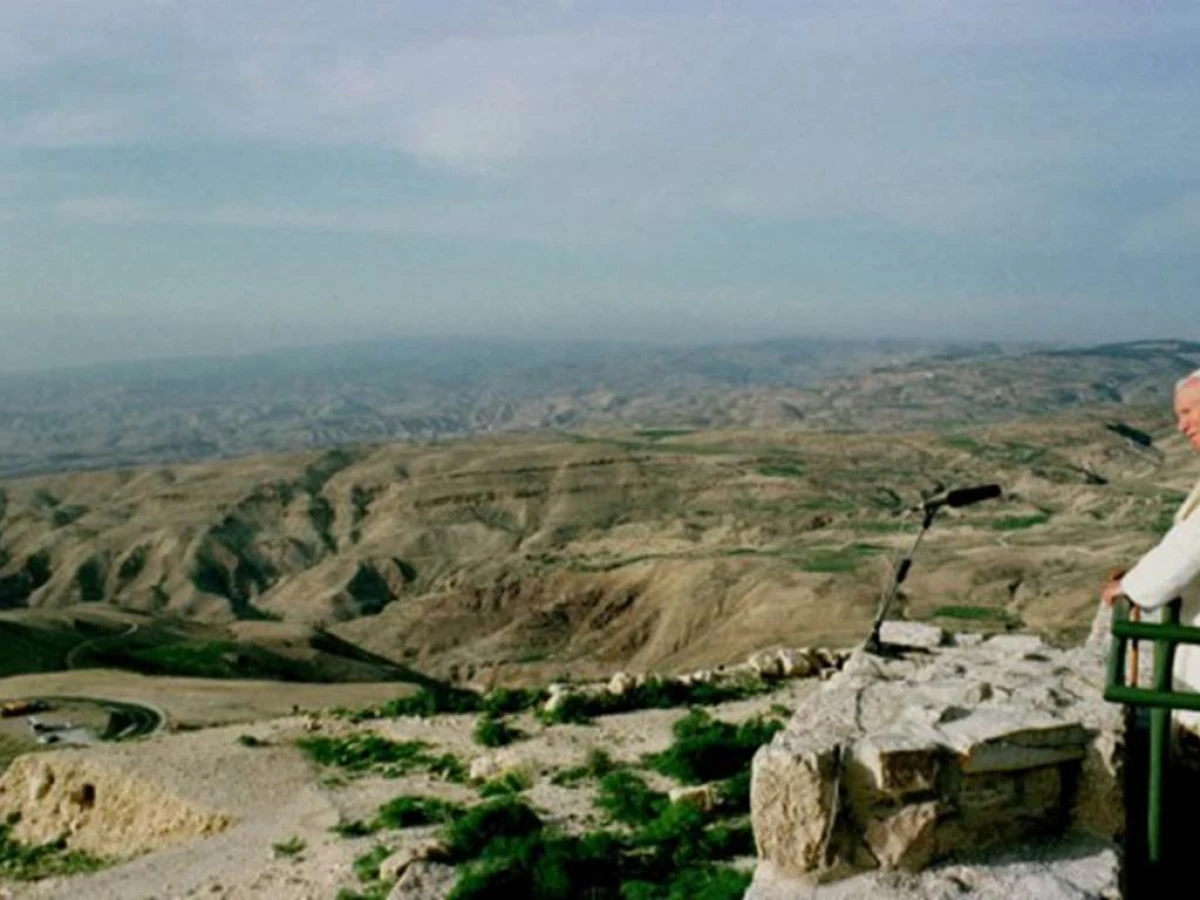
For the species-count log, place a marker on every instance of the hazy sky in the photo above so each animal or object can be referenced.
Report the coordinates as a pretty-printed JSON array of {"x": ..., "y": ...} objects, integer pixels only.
[{"x": 191, "y": 176}]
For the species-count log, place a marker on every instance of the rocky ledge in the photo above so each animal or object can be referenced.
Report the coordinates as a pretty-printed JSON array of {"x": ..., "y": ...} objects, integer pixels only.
[{"x": 988, "y": 766}]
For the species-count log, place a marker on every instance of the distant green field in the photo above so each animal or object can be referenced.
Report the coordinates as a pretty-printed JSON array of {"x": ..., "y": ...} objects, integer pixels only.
[
  {"x": 972, "y": 613},
  {"x": 1016, "y": 523},
  {"x": 839, "y": 560},
  {"x": 782, "y": 470}
]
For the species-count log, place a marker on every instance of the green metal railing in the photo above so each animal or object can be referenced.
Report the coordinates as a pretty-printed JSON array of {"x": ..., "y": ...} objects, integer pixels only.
[{"x": 1159, "y": 699}]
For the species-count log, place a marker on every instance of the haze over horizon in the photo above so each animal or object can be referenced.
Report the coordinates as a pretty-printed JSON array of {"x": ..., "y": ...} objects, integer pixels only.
[{"x": 181, "y": 180}]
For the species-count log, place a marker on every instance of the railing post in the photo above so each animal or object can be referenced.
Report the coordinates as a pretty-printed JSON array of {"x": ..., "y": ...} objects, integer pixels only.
[{"x": 1160, "y": 740}]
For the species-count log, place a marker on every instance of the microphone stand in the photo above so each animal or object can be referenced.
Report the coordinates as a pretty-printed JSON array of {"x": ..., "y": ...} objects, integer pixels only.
[{"x": 873, "y": 643}]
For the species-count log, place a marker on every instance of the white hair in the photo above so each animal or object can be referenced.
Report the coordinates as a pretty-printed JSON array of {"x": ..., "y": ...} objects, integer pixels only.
[{"x": 1187, "y": 379}]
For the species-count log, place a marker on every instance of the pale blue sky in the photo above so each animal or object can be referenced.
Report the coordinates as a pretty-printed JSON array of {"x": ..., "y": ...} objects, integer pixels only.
[{"x": 199, "y": 176}]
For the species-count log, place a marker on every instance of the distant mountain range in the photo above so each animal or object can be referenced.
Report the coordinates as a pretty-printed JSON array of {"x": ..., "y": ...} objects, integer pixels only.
[{"x": 426, "y": 390}]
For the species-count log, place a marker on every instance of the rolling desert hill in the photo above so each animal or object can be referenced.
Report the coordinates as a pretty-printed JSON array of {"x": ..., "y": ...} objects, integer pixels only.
[{"x": 522, "y": 558}]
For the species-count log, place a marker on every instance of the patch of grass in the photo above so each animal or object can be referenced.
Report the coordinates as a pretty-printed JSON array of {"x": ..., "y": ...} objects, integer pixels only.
[
  {"x": 511, "y": 700},
  {"x": 353, "y": 828},
  {"x": 582, "y": 708},
  {"x": 366, "y": 867},
  {"x": 512, "y": 782},
  {"x": 626, "y": 798},
  {"x": 599, "y": 763},
  {"x": 409, "y": 812},
  {"x": 33, "y": 862},
  {"x": 656, "y": 434},
  {"x": 838, "y": 561},
  {"x": 360, "y": 753},
  {"x": 708, "y": 749},
  {"x": 431, "y": 700},
  {"x": 290, "y": 849},
  {"x": 782, "y": 470},
  {"x": 1016, "y": 523},
  {"x": 962, "y": 442},
  {"x": 504, "y": 817},
  {"x": 503, "y": 850},
  {"x": 449, "y": 767},
  {"x": 493, "y": 731}
]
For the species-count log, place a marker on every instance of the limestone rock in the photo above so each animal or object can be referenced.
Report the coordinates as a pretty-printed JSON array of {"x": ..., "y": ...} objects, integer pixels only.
[
  {"x": 766, "y": 665},
  {"x": 917, "y": 635},
  {"x": 703, "y": 797},
  {"x": 904, "y": 761},
  {"x": 797, "y": 663},
  {"x": 399, "y": 862},
  {"x": 905, "y": 839},
  {"x": 792, "y": 798},
  {"x": 425, "y": 881},
  {"x": 621, "y": 683},
  {"x": 990, "y": 740},
  {"x": 900, "y": 763}
]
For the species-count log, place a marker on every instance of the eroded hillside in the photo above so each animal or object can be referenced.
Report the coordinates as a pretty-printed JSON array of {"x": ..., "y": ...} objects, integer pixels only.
[{"x": 525, "y": 557}]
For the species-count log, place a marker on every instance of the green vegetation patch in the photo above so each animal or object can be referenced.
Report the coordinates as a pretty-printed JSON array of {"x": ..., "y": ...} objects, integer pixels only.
[
  {"x": 291, "y": 848},
  {"x": 504, "y": 850},
  {"x": 1016, "y": 523},
  {"x": 362, "y": 753},
  {"x": 708, "y": 749},
  {"x": 656, "y": 434},
  {"x": 431, "y": 700},
  {"x": 493, "y": 731},
  {"x": 841, "y": 560},
  {"x": 409, "y": 812},
  {"x": 33, "y": 862},
  {"x": 782, "y": 470},
  {"x": 599, "y": 763},
  {"x": 582, "y": 708}
]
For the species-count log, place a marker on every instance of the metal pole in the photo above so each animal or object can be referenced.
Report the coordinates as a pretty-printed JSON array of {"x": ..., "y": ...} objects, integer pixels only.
[
  {"x": 1160, "y": 741},
  {"x": 872, "y": 643}
]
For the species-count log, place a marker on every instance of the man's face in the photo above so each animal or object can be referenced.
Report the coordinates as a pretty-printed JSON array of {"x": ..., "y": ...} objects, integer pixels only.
[{"x": 1187, "y": 411}]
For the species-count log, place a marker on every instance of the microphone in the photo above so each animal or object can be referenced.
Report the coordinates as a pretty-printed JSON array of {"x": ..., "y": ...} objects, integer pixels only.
[{"x": 963, "y": 496}]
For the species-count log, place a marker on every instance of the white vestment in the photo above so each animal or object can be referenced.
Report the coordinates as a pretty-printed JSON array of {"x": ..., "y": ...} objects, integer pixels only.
[{"x": 1170, "y": 570}]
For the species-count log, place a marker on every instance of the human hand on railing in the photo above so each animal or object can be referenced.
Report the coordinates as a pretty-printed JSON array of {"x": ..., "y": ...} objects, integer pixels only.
[{"x": 1112, "y": 590}]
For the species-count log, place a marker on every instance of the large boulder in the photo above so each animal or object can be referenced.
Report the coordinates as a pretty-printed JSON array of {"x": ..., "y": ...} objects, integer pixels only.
[{"x": 900, "y": 762}]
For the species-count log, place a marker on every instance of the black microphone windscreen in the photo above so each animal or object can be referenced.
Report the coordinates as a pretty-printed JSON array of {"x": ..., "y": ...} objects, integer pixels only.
[{"x": 967, "y": 496}]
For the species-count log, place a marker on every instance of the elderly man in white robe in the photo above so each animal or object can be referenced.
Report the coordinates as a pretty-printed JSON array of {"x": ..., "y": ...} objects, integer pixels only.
[{"x": 1172, "y": 568}]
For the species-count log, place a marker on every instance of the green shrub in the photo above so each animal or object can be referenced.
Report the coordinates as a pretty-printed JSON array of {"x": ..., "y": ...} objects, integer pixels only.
[
  {"x": 353, "y": 828},
  {"x": 625, "y": 797},
  {"x": 702, "y": 882},
  {"x": 504, "y": 817},
  {"x": 512, "y": 782},
  {"x": 367, "y": 752},
  {"x": 450, "y": 767},
  {"x": 290, "y": 848},
  {"x": 431, "y": 700},
  {"x": 491, "y": 731},
  {"x": 706, "y": 749},
  {"x": 582, "y": 708},
  {"x": 598, "y": 764},
  {"x": 366, "y": 867},
  {"x": 503, "y": 701},
  {"x": 32, "y": 862},
  {"x": 671, "y": 856},
  {"x": 408, "y": 812}
]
